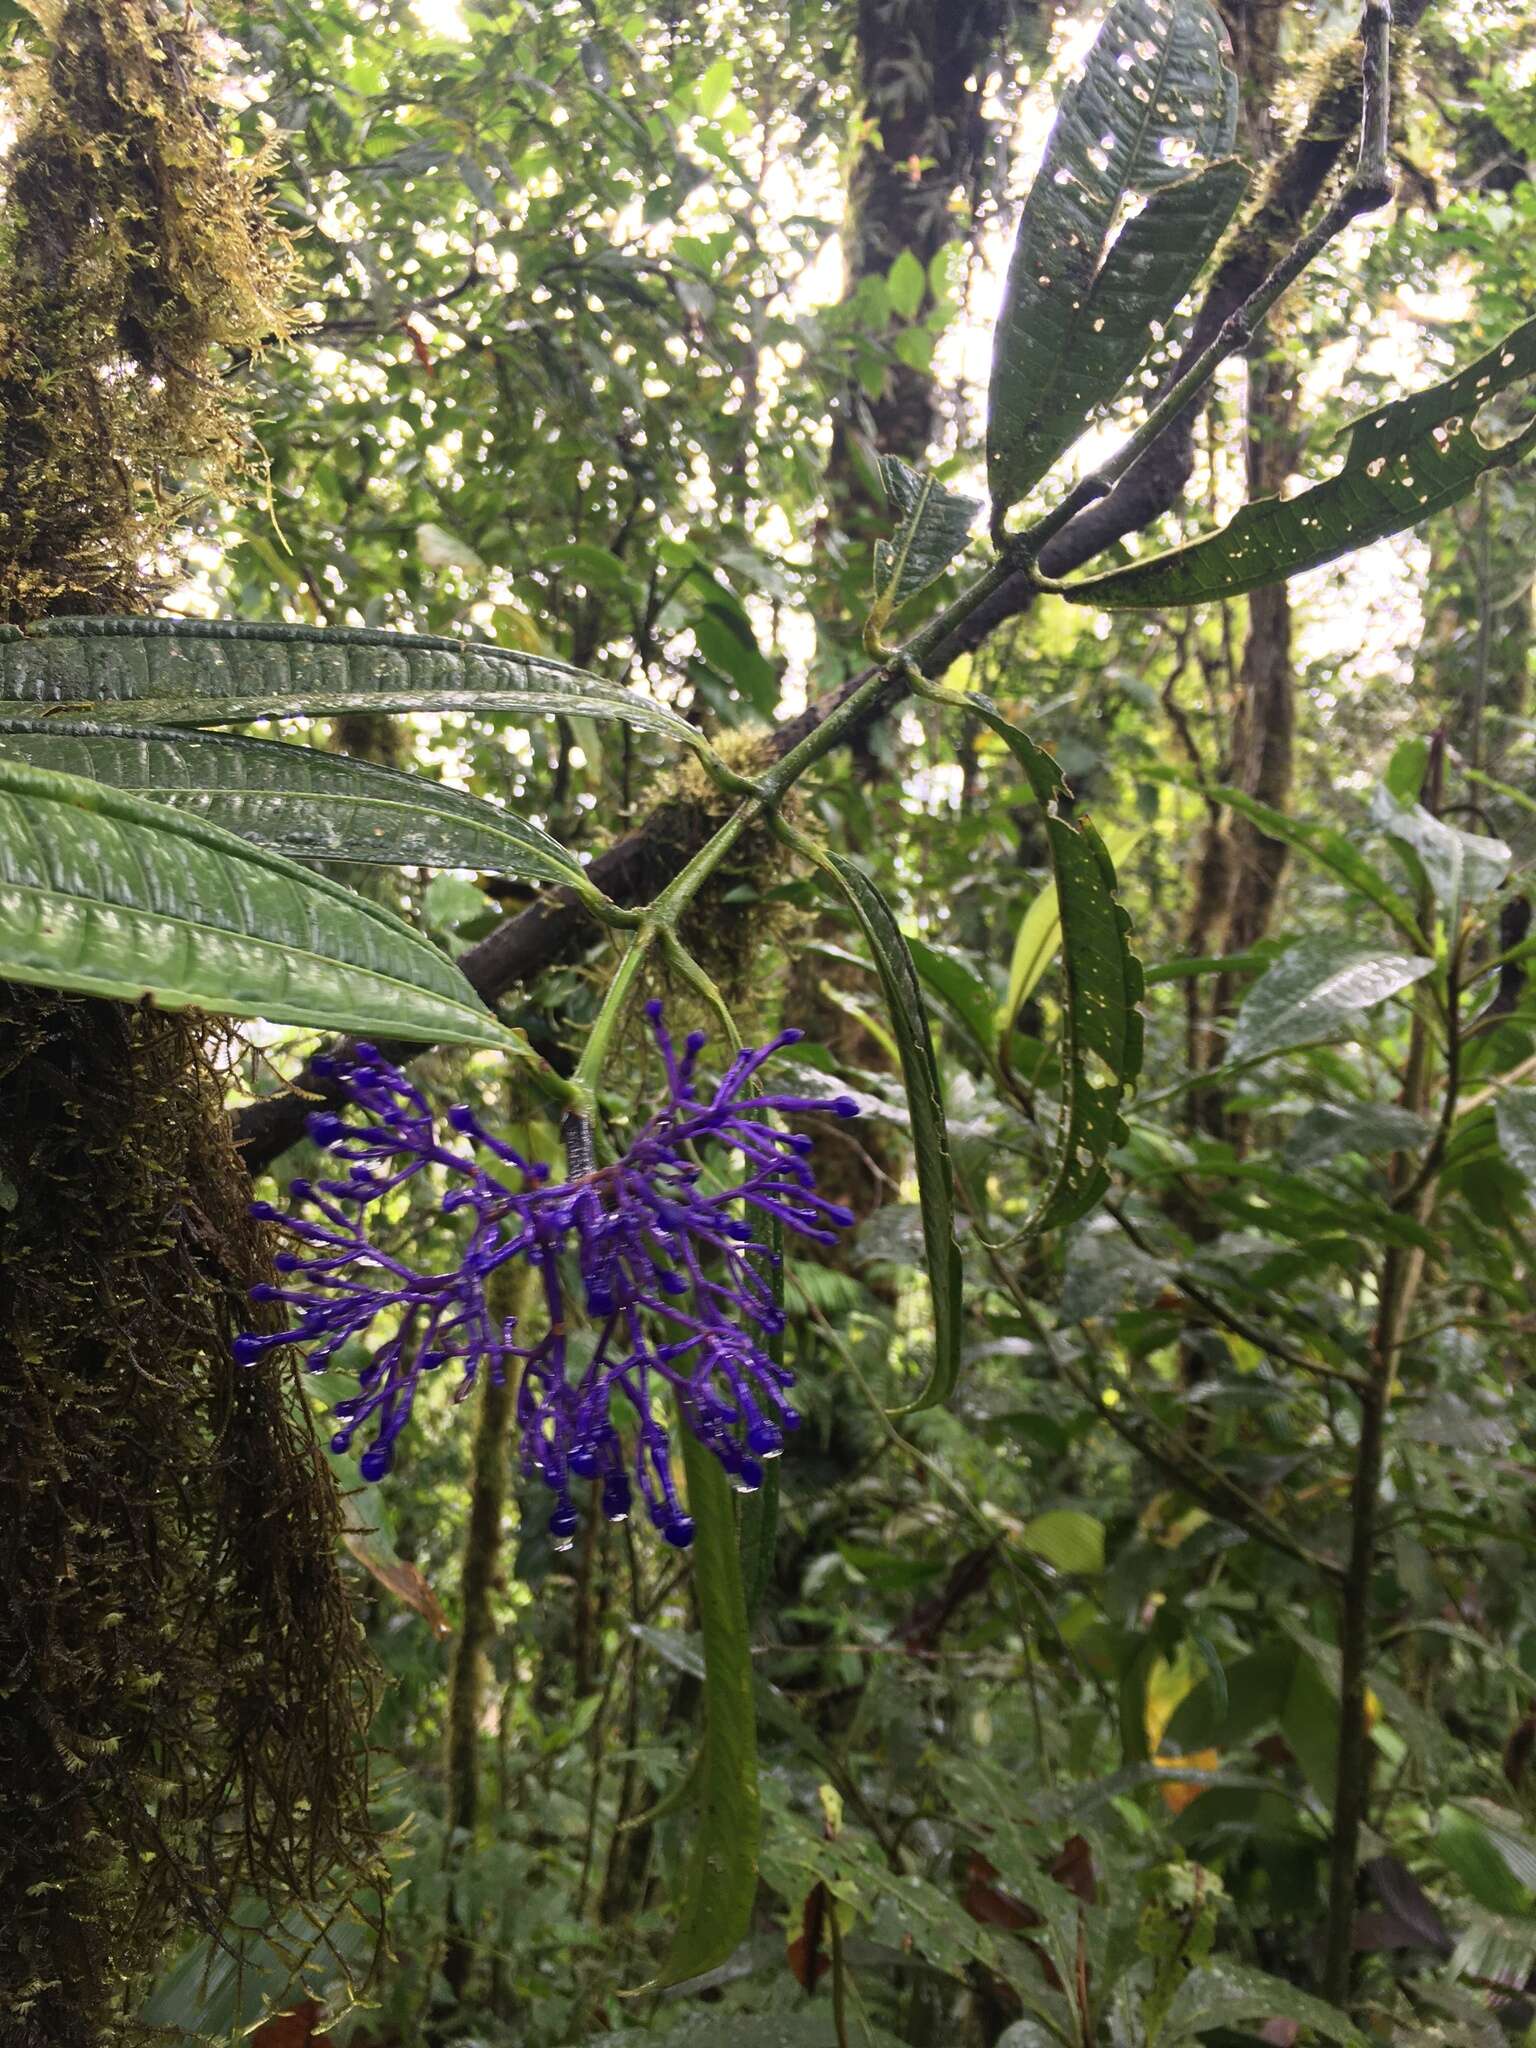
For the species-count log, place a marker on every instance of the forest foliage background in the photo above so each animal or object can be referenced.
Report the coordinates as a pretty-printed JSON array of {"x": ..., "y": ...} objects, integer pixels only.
[{"x": 605, "y": 317}]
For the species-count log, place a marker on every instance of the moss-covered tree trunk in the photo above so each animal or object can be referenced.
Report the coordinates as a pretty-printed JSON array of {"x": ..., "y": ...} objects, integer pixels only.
[{"x": 180, "y": 1697}]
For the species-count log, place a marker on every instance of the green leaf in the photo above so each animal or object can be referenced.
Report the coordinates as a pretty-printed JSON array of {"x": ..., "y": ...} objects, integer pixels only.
[
  {"x": 297, "y": 800},
  {"x": 1220, "y": 1993},
  {"x": 1101, "y": 1029},
  {"x": 905, "y": 283},
  {"x": 1329, "y": 1130},
  {"x": 721, "y": 1882},
  {"x": 712, "y": 88},
  {"x": 1039, "y": 935},
  {"x": 1328, "y": 848},
  {"x": 108, "y": 895},
  {"x": 764, "y": 2030},
  {"x": 226, "y": 672},
  {"x": 962, "y": 991},
  {"x": 1512, "y": 1840},
  {"x": 925, "y": 1104},
  {"x": 1461, "y": 867},
  {"x": 1514, "y": 1116},
  {"x": 1318, "y": 989},
  {"x": 933, "y": 527},
  {"x": 1405, "y": 461},
  {"x": 1067, "y": 1539},
  {"x": 1479, "y": 1855},
  {"x": 1154, "y": 95},
  {"x": 440, "y": 549}
]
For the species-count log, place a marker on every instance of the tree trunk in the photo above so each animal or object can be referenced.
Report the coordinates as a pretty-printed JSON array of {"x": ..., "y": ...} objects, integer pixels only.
[{"x": 180, "y": 1713}]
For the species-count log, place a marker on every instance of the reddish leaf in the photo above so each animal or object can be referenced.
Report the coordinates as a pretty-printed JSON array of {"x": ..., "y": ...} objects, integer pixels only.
[
  {"x": 1074, "y": 1869},
  {"x": 988, "y": 1904},
  {"x": 366, "y": 1535},
  {"x": 806, "y": 1961}
]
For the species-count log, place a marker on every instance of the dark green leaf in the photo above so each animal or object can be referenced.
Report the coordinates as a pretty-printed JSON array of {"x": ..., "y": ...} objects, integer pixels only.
[
  {"x": 109, "y": 895},
  {"x": 721, "y": 1882},
  {"x": 764, "y": 2030},
  {"x": 1220, "y": 1993},
  {"x": 760, "y": 1510},
  {"x": 297, "y": 800},
  {"x": 1154, "y": 95},
  {"x": 1100, "y": 1023},
  {"x": 925, "y": 1103},
  {"x": 1405, "y": 461},
  {"x": 225, "y": 672},
  {"x": 932, "y": 526},
  {"x": 964, "y": 994},
  {"x": 1330, "y": 1130}
]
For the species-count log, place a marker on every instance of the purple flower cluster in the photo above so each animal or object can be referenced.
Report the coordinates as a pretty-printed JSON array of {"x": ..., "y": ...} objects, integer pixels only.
[{"x": 675, "y": 1278}]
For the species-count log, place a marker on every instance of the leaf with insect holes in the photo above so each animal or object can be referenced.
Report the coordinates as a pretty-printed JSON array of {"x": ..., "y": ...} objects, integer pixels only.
[
  {"x": 1405, "y": 461},
  {"x": 1154, "y": 104},
  {"x": 933, "y": 525}
]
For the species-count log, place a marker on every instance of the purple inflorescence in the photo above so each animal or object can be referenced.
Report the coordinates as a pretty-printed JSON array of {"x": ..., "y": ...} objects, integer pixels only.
[{"x": 676, "y": 1281}]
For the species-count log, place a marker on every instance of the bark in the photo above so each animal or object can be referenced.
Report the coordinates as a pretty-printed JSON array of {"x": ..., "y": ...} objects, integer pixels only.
[
  {"x": 466, "y": 1695},
  {"x": 921, "y": 64},
  {"x": 1238, "y": 869}
]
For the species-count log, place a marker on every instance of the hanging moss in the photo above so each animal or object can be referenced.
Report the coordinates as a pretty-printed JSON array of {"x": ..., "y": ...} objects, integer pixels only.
[
  {"x": 131, "y": 245},
  {"x": 181, "y": 1698},
  {"x": 183, "y": 1692}
]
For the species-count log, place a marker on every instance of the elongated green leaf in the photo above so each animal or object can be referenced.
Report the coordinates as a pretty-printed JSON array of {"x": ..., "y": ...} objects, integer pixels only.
[
  {"x": 1330, "y": 850},
  {"x": 1220, "y": 1993},
  {"x": 1405, "y": 461},
  {"x": 932, "y": 525},
  {"x": 721, "y": 1883},
  {"x": 1319, "y": 989},
  {"x": 925, "y": 1104},
  {"x": 297, "y": 800},
  {"x": 1039, "y": 935},
  {"x": 1155, "y": 95},
  {"x": 226, "y": 672},
  {"x": 109, "y": 895},
  {"x": 962, "y": 992},
  {"x": 760, "y": 1510},
  {"x": 1100, "y": 1023}
]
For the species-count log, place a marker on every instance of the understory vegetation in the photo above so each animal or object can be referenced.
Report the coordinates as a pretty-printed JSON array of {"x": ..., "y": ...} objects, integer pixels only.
[{"x": 987, "y": 553}]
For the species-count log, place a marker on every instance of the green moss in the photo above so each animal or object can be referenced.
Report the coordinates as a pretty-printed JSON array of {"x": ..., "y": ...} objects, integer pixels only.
[
  {"x": 183, "y": 1691},
  {"x": 729, "y": 928},
  {"x": 131, "y": 245}
]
